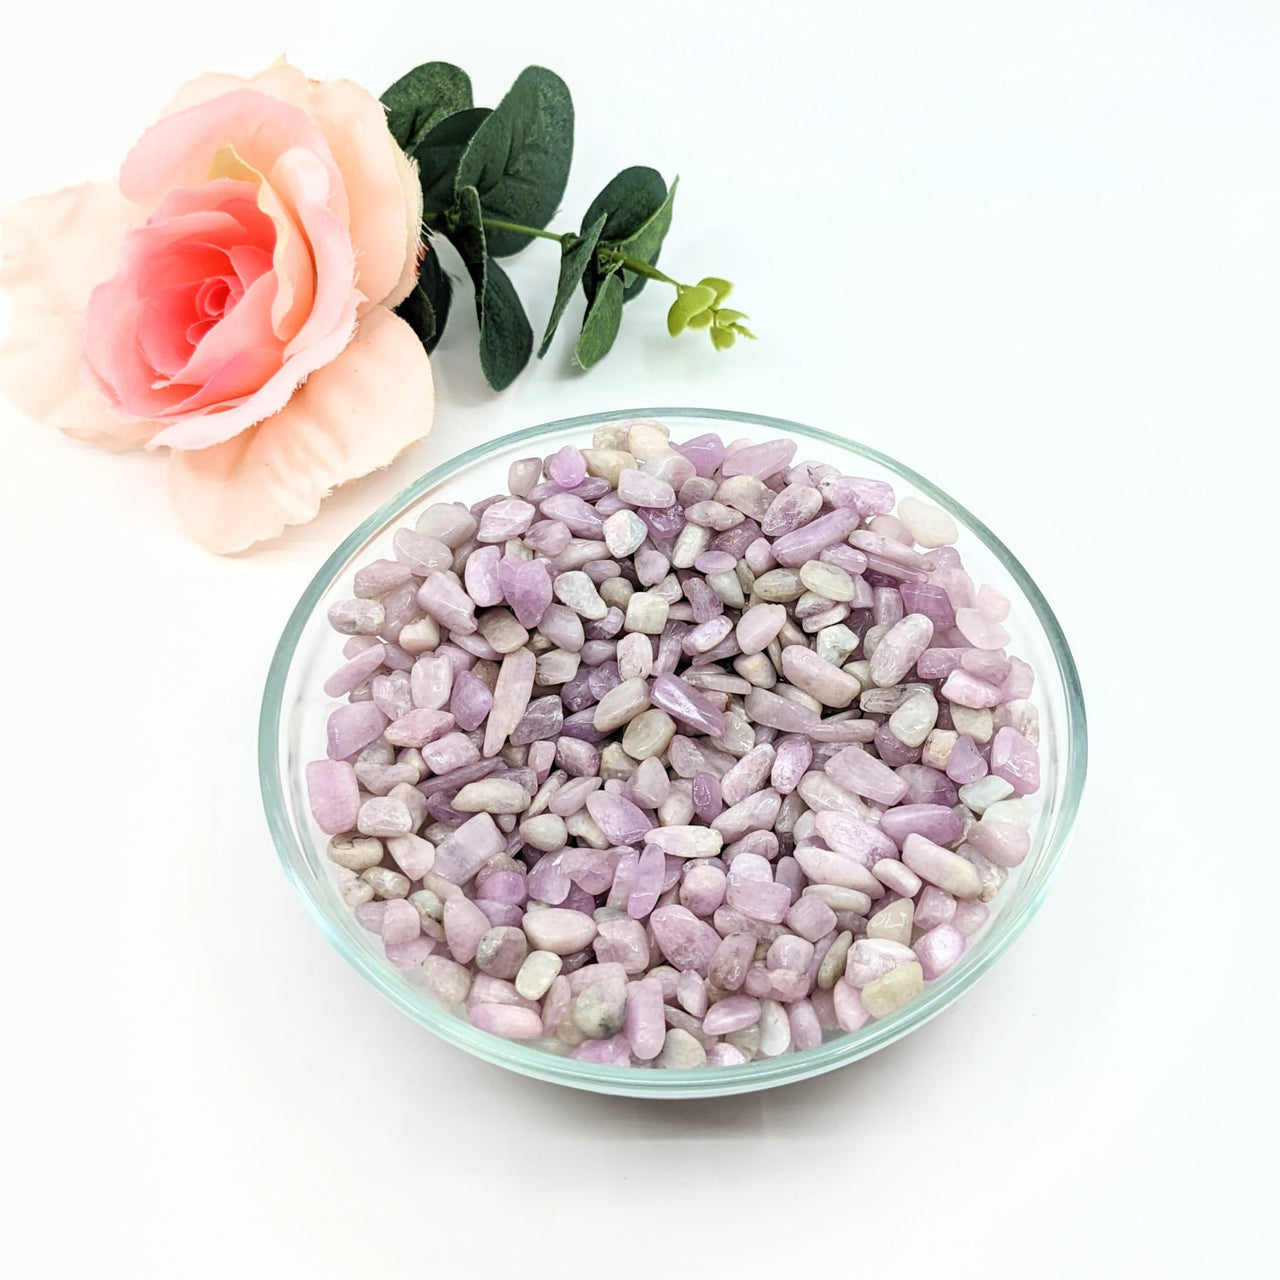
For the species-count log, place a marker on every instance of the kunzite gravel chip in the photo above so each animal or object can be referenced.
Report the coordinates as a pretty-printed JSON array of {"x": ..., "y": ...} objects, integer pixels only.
[
  {"x": 677, "y": 754},
  {"x": 559, "y": 930},
  {"x": 334, "y": 794}
]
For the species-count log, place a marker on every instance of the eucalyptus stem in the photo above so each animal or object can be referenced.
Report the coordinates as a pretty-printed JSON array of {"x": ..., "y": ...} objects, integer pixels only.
[
  {"x": 636, "y": 265},
  {"x": 498, "y": 225},
  {"x": 640, "y": 267}
]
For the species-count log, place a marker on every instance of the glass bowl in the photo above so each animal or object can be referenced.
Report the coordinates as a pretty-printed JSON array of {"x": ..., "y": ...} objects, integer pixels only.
[{"x": 294, "y": 711}]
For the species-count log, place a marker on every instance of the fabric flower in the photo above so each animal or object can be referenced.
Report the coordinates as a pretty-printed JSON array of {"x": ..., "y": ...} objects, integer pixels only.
[{"x": 230, "y": 298}]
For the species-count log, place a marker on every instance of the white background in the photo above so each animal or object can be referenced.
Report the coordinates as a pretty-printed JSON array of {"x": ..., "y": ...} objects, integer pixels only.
[{"x": 1031, "y": 249}]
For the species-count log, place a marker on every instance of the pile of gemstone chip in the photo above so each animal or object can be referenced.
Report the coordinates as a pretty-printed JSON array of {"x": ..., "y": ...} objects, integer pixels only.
[{"x": 677, "y": 754}]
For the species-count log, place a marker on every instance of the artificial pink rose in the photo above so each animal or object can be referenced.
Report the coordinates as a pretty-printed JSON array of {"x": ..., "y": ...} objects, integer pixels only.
[{"x": 245, "y": 266}]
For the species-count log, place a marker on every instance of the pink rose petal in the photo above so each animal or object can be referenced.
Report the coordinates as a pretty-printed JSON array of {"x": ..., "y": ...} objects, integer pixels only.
[
  {"x": 352, "y": 417},
  {"x": 57, "y": 247}
]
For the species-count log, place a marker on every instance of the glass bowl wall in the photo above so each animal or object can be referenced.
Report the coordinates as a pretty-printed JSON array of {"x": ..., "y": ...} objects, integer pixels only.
[{"x": 294, "y": 711}]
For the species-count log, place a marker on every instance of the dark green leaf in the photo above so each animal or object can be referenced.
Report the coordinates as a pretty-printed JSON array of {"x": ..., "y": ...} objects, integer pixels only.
[
  {"x": 438, "y": 154},
  {"x": 418, "y": 101},
  {"x": 467, "y": 233},
  {"x": 426, "y": 309},
  {"x": 418, "y": 313},
  {"x": 519, "y": 158},
  {"x": 506, "y": 339},
  {"x": 645, "y": 243},
  {"x": 575, "y": 258},
  {"x": 628, "y": 202},
  {"x": 601, "y": 325}
]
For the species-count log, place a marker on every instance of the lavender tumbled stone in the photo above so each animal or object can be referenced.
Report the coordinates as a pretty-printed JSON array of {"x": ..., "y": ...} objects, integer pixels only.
[
  {"x": 527, "y": 588},
  {"x": 863, "y": 774},
  {"x": 567, "y": 467},
  {"x": 510, "y": 698},
  {"x": 470, "y": 701},
  {"x": 1003, "y": 843},
  {"x": 1015, "y": 760},
  {"x": 686, "y": 941},
  {"x": 463, "y": 853},
  {"x": 441, "y": 596},
  {"x": 334, "y": 795},
  {"x": 356, "y": 671},
  {"x": 706, "y": 452},
  {"x": 939, "y": 949},
  {"x": 935, "y": 822},
  {"x": 809, "y": 540},
  {"x": 899, "y": 649},
  {"x": 618, "y": 818},
  {"x": 353, "y": 727},
  {"x": 731, "y": 1014},
  {"x": 685, "y": 703},
  {"x": 640, "y": 490}
]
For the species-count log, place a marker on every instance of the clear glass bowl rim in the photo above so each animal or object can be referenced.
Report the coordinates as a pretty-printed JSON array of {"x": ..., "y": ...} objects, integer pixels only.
[{"x": 631, "y": 1081}]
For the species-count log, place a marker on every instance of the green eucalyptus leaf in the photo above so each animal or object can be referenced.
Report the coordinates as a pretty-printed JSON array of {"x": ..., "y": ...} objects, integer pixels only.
[
  {"x": 601, "y": 325},
  {"x": 418, "y": 313},
  {"x": 518, "y": 159},
  {"x": 702, "y": 320},
  {"x": 438, "y": 155},
  {"x": 722, "y": 338},
  {"x": 419, "y": 100},
  {"x": 722, "y": 287},
  {"x": 727, "y": 318},
  {"x": 575, "y": 258},
  {"x": 466, "y": 231},
  {"x": 691, "y": 301},
  {"x": 645, "y": 243},
  {"x": 426, "y": 309},
  {"x": 506, "y": 338},
  {"x": 628, "y": 202}
]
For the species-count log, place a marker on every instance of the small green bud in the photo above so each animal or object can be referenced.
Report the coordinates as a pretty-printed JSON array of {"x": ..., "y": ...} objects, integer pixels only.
[
  {"x": 722, "y": 287},
  {"x": 691, "y": 300}
]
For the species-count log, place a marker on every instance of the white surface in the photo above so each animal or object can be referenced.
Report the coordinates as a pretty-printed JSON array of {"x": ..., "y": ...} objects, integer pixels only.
[{"x": 1032, "y": 250}]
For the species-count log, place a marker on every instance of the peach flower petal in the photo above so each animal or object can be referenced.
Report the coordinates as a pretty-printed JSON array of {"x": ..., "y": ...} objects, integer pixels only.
[
  {"x": 273, "y": 149},
  {"x": 300, "y": 178},
  {"x": 165, "y": 320},
  {"x": 353, "y": 416},
  {"x": 204, "y": 430},
  {"x": 240, "y": 373},
  {"x": 295, "y": 272},
  {"x": 180, "y": 150},
  {"x": 416, "y": 248},
  {"x": 57, "y": 247},
  {"x": 379, "y": 179},
  {"x": 388, "y": 241},
  {"x": 156, "y": 254},
  {"x": 247, "y": 328}
]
